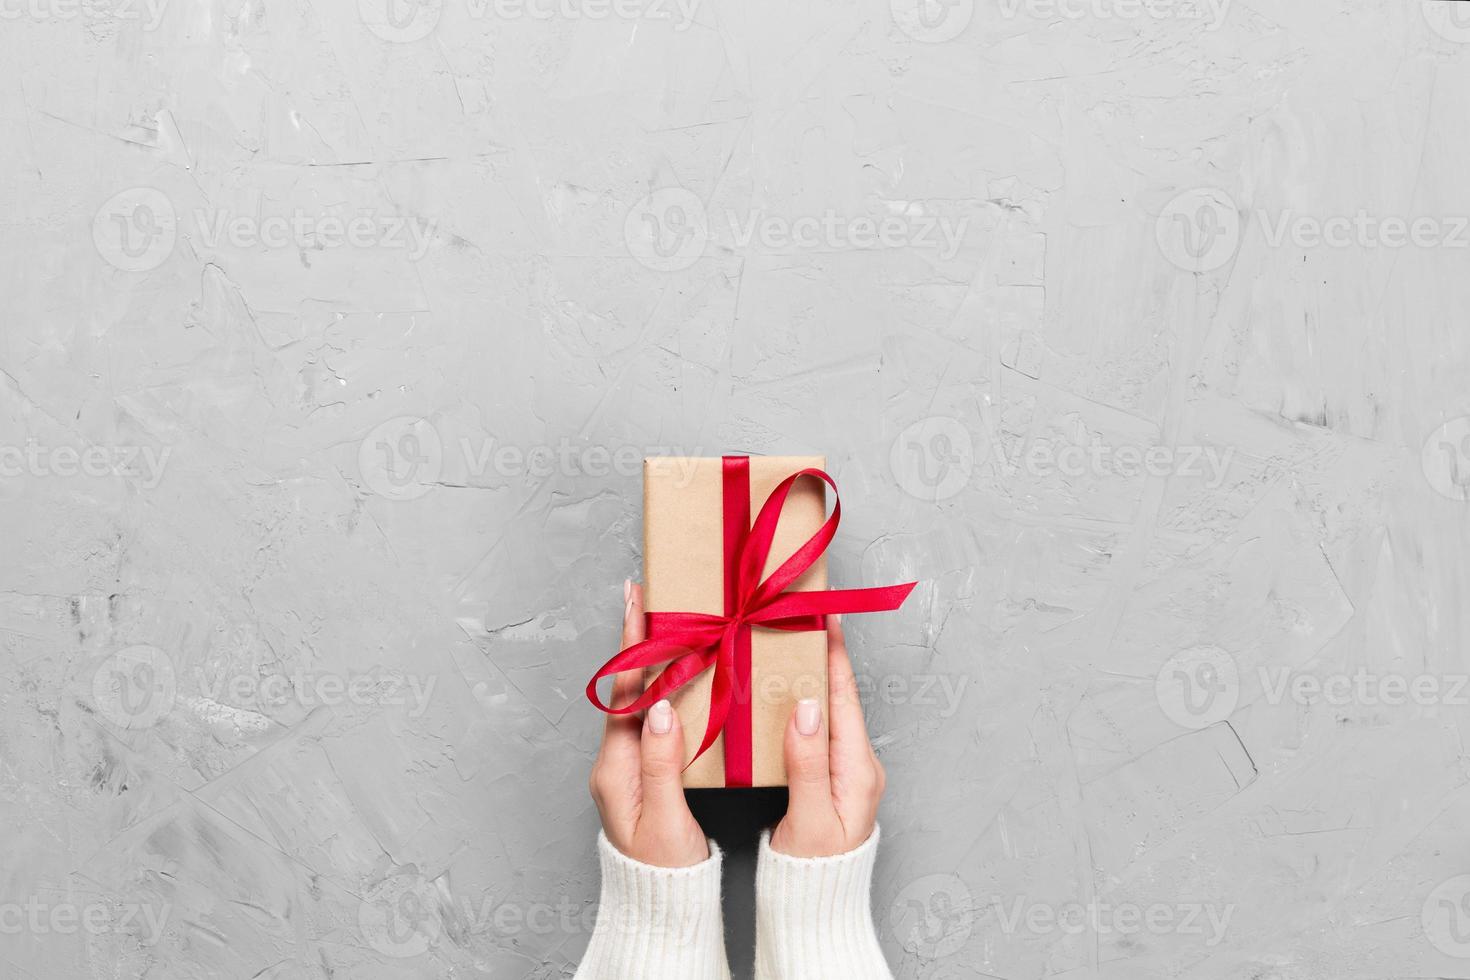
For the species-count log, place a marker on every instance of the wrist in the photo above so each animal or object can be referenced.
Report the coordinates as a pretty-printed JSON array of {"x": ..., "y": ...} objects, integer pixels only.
[
  {"x": 663, "y": 852},
  {"x": 835, "y": 840}
]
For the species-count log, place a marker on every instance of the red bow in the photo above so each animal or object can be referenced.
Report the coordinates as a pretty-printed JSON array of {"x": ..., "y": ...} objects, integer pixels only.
[{"x": 695, "y": 641}]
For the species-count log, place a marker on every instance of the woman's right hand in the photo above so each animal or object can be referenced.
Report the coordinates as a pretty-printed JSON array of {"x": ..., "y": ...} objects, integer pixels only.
[{"x": 836, "y": 782}]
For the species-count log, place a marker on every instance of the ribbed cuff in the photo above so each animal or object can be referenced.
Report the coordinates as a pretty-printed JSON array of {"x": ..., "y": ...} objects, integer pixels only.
[
  {"x": 813, "y": 916},
  {"x": 656, "y": 923}
]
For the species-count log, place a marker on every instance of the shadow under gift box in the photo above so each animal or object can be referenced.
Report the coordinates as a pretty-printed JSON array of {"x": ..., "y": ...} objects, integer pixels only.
[{"x": 684, "y": 571}]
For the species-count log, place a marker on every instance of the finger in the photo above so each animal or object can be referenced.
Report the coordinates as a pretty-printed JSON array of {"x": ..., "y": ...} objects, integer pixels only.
[
  {"x": 662, "y": 748},
  {"x": 845, "y": 704},
  {"x": 626, "y": 688},
  {"x": 634, "y": 630},
  {"x": 629, "y": 684},
  {"x": 808, "y": 773}
]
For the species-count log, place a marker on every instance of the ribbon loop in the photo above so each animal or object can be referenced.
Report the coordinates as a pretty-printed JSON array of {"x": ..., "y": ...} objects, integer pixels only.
[{"x": 691, "y": 643}]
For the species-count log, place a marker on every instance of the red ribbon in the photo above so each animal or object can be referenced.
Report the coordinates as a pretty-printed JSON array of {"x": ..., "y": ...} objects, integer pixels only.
[{"x": 693, "y": 642}]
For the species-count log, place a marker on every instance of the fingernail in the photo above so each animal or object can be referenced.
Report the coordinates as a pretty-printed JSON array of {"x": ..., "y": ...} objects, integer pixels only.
[
  {"x": 835, "y": 618},
  {"x": 808, "y": 716},
  {"x": 627, "y": 590},
  {"x": 661, "y": 718}
]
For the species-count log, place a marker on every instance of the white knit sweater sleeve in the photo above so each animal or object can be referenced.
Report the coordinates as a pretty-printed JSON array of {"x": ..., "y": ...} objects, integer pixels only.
[
  {"x": 656, "y": 923},
  {"x": 813, "y": 919}
]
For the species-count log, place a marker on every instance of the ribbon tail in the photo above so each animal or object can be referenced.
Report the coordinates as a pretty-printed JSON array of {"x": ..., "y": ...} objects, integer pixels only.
[
  {"x": 675, "y": 676},
  {"x": 720, "y": 695},
  {"x": 689, "y": 659},
  {"x": 795, "y": 605}
]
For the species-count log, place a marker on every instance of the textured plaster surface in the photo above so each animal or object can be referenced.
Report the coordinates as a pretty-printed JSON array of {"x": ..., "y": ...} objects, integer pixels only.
[{"x": 333, "y": 333}]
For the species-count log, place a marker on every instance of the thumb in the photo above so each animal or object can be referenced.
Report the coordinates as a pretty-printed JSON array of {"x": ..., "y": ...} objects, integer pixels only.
[
  {"x": 662, "y": 749},
  {"x": 808, "y": 774}
]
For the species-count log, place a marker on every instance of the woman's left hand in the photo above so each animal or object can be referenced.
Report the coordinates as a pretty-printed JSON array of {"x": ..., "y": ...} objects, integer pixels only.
[{"x": 637, "y": 781}]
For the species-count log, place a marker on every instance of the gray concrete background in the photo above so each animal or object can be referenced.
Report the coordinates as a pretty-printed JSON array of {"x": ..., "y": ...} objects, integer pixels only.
[{"x": 334, "y": 332}]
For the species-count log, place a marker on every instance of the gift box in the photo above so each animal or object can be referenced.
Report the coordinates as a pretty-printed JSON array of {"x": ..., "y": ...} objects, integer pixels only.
[
  {"x": 736, "y": 602},
  {"x": 684, "y": 570}
]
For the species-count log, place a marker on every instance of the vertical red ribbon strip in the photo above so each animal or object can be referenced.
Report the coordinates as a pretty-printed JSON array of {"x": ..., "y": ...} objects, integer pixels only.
[{"x": 739, "y": 748}]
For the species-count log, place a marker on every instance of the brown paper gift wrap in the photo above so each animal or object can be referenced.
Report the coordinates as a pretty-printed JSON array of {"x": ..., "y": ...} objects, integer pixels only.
[{"x": 684, "y": 571}]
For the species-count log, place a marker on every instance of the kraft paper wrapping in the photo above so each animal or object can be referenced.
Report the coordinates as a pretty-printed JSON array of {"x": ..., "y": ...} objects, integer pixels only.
[{"x": 683, "y": 571}]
